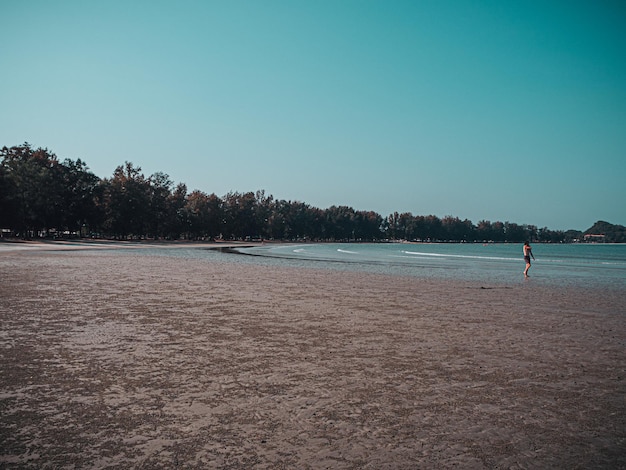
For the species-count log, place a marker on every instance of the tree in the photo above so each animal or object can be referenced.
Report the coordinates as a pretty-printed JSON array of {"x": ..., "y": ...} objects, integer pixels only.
[
  {"x": 340, "y": 223},
  {"x": 393, "y": 226},
  {"x": 407, "y": 226},
  {"x": 33, "y": 188},
  {"x": 159, "y": 189},
  {"x": 368, "y": 226},
  {"x": 9, "y": 202},
  {"x": 432, "y": 228},
  {"x": 484, "y": 230},
  {"x": 127, "y": 198},
  {"x": 174, "y": 223},
  {"x": 263, "y": 211},
  {"x": 277, "y": 226},
  {"x": 79, "y": 196},
  {"x": 204, "y": 215},
  {"x": 455, "y": 229},
  {"x": 299, "y": 220},
  {"x": 240, "y": 215}
]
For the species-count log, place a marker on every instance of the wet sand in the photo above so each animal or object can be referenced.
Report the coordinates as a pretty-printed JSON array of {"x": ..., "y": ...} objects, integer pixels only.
[{"x": 122, "y": 360}]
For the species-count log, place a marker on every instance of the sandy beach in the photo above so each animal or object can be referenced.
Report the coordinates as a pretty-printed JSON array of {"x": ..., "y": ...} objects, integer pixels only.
[{"x": 121, "y": 360}]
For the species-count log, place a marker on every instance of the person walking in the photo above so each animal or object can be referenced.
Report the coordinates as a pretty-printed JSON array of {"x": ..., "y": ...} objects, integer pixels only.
[{"x": 528, "y": 252}]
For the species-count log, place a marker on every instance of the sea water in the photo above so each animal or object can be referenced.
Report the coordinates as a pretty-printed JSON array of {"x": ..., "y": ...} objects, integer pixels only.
[
  {"x": 567, "y": 265},
  {"x": 588, "y": 265}
]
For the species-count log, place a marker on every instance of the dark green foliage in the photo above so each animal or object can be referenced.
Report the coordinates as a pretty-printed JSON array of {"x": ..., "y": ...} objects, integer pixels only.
[{"x": 40, "y": 196}]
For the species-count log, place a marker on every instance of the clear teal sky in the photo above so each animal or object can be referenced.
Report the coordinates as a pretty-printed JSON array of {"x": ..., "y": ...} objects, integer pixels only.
[{"x": 497, "y": 110}]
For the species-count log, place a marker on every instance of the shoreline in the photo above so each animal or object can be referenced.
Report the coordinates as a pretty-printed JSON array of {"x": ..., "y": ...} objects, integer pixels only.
[
  {"x": 116, "y": 359},
  {"x": 86, "y": 244},
  {"x": 505, "y": 277}
]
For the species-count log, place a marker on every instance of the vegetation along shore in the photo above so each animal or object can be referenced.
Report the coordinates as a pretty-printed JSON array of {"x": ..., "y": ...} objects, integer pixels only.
[{"x": 41, "y": 196}]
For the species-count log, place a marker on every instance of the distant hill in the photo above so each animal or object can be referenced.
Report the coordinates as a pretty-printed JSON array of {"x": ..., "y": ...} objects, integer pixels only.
[{"x": 605, "y": 232}]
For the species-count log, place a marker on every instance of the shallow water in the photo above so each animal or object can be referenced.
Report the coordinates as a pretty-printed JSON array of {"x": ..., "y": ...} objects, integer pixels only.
[
  {"x": 567, "y": 265},
  {"x": 570, "y": 265}
]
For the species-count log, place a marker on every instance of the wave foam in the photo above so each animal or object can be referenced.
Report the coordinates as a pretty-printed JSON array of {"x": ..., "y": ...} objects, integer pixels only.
[{"x": 444, "y": 255}]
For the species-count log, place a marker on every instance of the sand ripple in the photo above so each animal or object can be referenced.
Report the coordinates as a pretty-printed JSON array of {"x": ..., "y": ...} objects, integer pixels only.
[{"x": 113, "y": 360}]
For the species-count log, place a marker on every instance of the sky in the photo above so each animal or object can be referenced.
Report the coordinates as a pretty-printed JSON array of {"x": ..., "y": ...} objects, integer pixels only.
[{"x": 482, "y": 110}]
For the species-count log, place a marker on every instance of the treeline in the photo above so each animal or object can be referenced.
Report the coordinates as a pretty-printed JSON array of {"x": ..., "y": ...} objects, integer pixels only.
[{"x": 43, "y": 196}]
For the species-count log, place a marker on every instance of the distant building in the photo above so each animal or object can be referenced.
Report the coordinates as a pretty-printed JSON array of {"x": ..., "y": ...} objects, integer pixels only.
[{"x": 594, "y": 238}]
